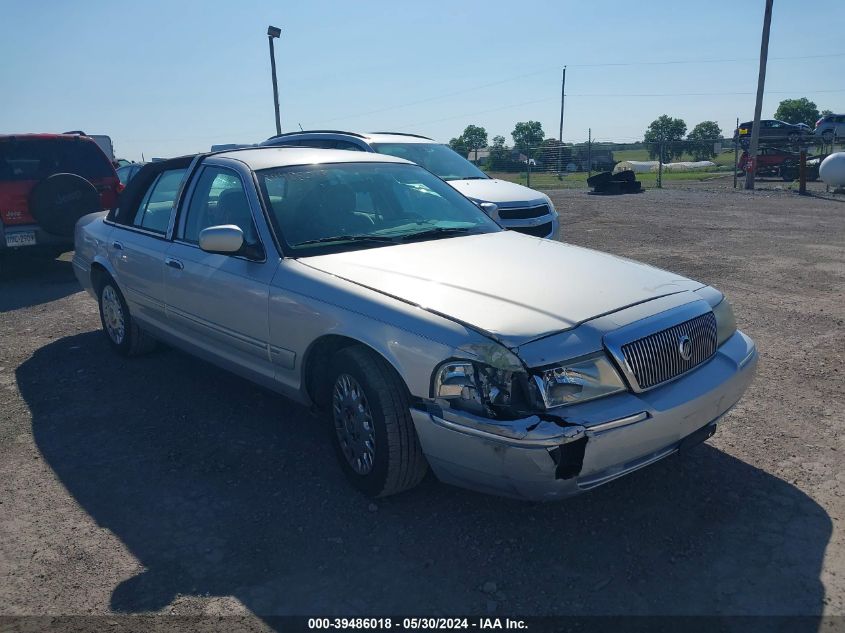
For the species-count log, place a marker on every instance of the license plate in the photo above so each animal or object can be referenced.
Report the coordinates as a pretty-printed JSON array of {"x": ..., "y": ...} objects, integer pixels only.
[
  {"x": 743, "y": 131},
  {"x": 24, "y": 238}
]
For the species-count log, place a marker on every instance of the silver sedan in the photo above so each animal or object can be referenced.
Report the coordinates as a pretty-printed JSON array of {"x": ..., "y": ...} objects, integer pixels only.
[{"x": 424, "y": 333}]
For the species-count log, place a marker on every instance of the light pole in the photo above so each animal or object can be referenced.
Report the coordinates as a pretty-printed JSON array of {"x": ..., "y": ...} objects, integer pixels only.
[{"x": 273, "y": 32}]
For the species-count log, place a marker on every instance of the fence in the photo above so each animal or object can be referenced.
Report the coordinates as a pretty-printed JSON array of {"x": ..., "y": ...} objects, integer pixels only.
[{"x": 555, "y": 166}]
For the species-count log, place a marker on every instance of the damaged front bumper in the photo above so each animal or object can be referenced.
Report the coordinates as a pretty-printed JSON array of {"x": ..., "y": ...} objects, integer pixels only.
[{"x": 571, "y": 449}]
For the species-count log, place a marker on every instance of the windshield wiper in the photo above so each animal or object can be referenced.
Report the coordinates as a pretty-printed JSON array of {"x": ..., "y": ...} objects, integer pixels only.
[
  {"x": 435, "y": 232},
  {"x": 380, "y": 239},
  {"x": 466, "y": 178}
]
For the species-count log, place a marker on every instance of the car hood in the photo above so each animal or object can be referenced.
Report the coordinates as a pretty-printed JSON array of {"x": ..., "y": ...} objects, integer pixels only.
[
  {"x": 511, "y": 286},
  {"x": 501, "y": 192}
]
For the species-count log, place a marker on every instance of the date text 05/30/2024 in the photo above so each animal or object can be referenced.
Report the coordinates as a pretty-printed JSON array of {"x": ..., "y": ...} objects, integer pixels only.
[{"x": 417, "y": 624}]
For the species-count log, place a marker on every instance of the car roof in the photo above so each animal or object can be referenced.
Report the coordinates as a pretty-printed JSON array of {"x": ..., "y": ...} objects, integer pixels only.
[
  {"x": 280, "y": 156},
  {"x": 45, "y": 137},
  {"x": 370, "y": 137}
]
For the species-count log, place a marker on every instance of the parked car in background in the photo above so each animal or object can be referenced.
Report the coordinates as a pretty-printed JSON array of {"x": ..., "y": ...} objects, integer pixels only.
[
  {"x": 772, "y": 130},
  {"x": 830, "y": 127},
  {"x": 128, "y": 171},
  {"x": 103, "y": 141},
  {"x": 426, "y": 335},
  {"x": 47, "y": 182},
  {"x": 519, "y": 208},
  {"x": 779, "y": 163}
]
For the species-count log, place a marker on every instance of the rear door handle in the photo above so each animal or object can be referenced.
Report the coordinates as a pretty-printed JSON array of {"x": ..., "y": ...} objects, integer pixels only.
[
  {"x": 174, "y": 263},
  {"x": 118, "y": 246}
]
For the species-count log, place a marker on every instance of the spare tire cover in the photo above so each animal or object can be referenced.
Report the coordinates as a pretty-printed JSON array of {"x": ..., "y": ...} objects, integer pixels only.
[{"x": 58, "y": 201}]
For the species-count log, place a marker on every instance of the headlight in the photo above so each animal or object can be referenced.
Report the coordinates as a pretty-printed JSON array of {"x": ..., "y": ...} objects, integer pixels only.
[
  {"x": 578, "y": 381},
  {"x": 477, "y": 387},
  {"x": 725, "y": 321}
]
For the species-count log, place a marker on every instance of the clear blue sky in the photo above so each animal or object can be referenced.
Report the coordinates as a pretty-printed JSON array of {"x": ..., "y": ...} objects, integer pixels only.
[{"x": 167, "y": 77}]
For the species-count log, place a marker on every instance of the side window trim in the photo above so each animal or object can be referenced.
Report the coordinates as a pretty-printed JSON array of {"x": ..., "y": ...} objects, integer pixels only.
[
  {"x": 138, "y": 220},
  {"x": 178, "y": 233}
]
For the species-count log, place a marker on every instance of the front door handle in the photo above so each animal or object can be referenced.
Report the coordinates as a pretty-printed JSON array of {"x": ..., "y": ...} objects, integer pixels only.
[
  {"x": 174, "y": 263},
  {"x": 118, "y": 246}
]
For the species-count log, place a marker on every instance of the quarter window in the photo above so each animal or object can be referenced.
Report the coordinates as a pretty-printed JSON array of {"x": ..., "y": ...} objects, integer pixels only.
[
  {"x": 219, "y": 198},
  {"x": 157, "y": 205}
]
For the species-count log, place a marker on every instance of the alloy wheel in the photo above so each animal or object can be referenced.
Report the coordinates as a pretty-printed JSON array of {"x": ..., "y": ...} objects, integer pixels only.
[
  {"x": 353, "y": 423},
  {"x": 113, "y": 317}
]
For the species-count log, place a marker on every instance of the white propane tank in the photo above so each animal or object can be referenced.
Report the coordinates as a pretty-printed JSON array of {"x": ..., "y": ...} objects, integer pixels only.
[{"x": 832, "y": 170}]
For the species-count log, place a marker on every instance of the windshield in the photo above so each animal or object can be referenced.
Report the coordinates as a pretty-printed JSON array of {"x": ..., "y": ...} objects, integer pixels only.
[
  {"x": 440, "y": 160},
  {"x": 342, "y": 206}
]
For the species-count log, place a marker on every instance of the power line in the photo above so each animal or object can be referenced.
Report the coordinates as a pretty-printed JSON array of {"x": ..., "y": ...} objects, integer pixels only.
[
  {"x": 547, "y": 68},
  {"x": 613, "y": 95},
  {"x": 699, "y": 94},
  {"x": 704, "y": 61}
]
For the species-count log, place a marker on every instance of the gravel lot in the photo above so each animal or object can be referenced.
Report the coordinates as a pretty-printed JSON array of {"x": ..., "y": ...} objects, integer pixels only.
[{"x": 163, "y": 484}]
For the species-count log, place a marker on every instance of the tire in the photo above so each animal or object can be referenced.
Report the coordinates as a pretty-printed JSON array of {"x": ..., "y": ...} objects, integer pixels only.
[
  {"x": 120, "y": 329},
  {"x": 827, "y": 136},
  {"x": 788, "y": 172},
  {"x": 600, "y": 179},
  {"x": 58, "y": 201},
  {"x": 372, "y": 429}
]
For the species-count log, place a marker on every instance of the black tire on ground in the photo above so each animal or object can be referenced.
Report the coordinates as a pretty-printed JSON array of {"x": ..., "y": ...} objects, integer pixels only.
[
  {"x": 600, "y": 179},
  {"x": 827, "y": 136},
  {"x": 627, "y": 175},
  {"x": 398, "y": 460},
  {"x": 133, "y": 341},
  {"x": 58, "y": 201}
]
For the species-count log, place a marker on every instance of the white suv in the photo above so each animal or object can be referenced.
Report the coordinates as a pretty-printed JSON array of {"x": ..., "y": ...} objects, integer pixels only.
[{"x": 519, "y": 208}]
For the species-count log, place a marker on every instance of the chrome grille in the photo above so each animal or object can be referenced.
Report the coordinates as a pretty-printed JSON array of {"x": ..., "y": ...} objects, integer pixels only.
[
  {"x": 656, "y": 358},
  {"x": 523, "y": 213}
]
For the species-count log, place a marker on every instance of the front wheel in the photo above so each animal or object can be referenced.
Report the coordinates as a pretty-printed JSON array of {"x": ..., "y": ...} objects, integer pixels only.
[
  {"x": 124, "y": 335},
  {"x": 374, "y": 434}
]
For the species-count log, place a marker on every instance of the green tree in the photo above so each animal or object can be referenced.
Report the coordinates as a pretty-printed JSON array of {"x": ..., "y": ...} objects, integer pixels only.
[
  {"x": 498, "y": 154},
  {"x": 825, "y": 113},
  {"x": 475, "y": 138},
  {"x": 460, "y": 146},
  {"x": 664, "y": 129},
  {"x": 798, "y": 111},
  {"x": 527, "y": 135},
  {"x": 703, "y": 136}
]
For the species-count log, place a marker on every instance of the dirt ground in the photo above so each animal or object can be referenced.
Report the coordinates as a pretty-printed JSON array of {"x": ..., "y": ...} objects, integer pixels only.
[{"x": 163, "y": 484}]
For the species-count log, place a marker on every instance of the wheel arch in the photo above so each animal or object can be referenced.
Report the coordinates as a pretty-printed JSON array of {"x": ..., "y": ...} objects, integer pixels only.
[
  {"x": 100, "y": 270},
  {"x": 316, "y": 361}
]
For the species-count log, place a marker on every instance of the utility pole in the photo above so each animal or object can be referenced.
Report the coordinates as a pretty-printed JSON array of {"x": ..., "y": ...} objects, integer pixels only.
[
  {"x": 758, "y": 107},
  {"x": 736, "y": 150},
  {"x": 560, "y": 130},
  {"x": 274, "y": 32}
]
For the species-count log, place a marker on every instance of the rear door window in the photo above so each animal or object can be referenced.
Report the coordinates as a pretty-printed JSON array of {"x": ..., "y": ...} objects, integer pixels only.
[
  {"x": 38, "y": 158},
  {"x": 157, "y": 206}
]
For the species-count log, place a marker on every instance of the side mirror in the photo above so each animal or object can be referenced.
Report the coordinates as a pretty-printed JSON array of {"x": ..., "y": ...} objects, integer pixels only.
[
  {"x": 490, "y": 208},
  {"x": 226, "y": 239}
]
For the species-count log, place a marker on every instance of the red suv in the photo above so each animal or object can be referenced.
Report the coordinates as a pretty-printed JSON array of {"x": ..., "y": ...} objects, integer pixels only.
[{"x": 47, "y": 182}]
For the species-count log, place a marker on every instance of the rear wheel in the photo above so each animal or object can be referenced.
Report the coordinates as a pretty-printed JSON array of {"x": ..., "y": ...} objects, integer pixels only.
[
  {"x": 124, "y": 335},
  {"x": 374, "y": 435}
]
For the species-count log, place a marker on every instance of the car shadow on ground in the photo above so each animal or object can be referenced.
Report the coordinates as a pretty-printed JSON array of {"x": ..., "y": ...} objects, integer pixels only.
[
  {"x": 31, "y": 280},
  {"x": 219, "y": 488}
]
